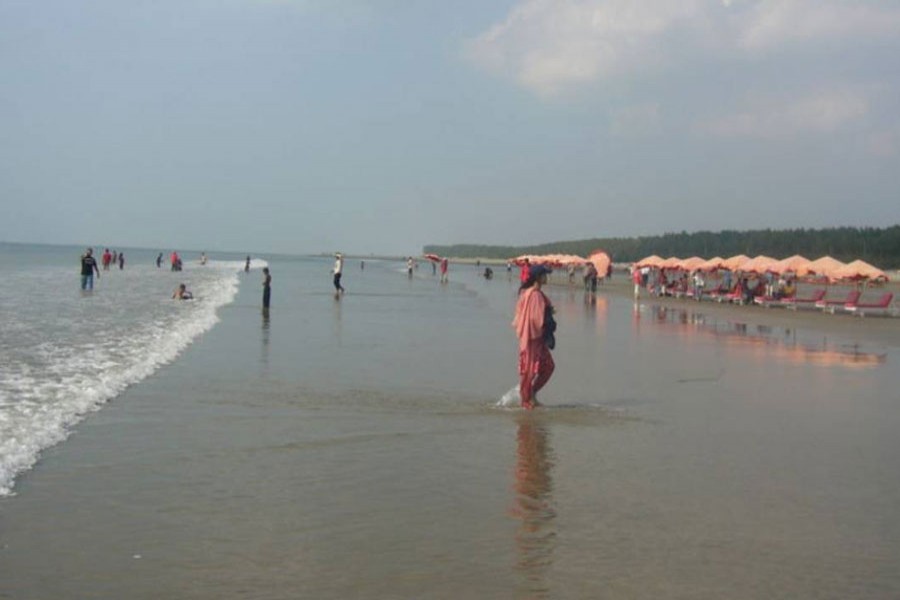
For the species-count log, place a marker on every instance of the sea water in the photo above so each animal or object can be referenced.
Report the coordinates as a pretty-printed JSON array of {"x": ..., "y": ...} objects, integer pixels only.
[
  {"x": 65, "y": 352},
  {"x": 352, "y": 447}
]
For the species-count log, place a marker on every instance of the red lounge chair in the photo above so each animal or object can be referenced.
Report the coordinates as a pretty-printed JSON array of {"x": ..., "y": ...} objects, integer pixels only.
[
  {"x": 831, "y": 305},
  {"x": 715, "y": 292},
  {"x": 860, "y": 308},
  {"x": 766, "y": 301},
  {"x": 812, "y": 301}
]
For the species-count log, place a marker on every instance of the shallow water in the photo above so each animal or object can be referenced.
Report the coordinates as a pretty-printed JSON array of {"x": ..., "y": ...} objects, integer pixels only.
[{"x": 353, "y": 449}]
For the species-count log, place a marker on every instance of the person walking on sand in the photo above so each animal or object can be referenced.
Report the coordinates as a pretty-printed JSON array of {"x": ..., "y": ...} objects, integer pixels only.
[
  {"x": 535, "y": 327},
  {"x": 106, "y": 259},
  {"x": 159, "y": 260},
  {"x": 267, "y": 287},
  {"x": 247, "y": 265},
  {"x": 88, "y": 268},
  {"x": 409, "y": 267},
  {"x": 121, "y": 260},
  {"x": 338, "y": 271},
  {"x": 445, "y": 265}
]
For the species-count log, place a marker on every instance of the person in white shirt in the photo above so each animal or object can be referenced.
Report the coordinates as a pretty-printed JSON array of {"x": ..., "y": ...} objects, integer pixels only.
[{"x": 338, "y": 271}]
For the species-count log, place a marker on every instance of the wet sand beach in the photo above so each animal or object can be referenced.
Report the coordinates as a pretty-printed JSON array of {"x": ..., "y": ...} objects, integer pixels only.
[{"x": 353, "y": 449}]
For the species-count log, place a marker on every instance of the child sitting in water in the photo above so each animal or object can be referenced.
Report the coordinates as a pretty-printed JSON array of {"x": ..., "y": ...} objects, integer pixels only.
[{"x": 181, "y": 293}]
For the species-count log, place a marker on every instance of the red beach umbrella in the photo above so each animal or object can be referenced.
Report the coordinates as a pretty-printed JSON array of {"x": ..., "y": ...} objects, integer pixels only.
[
  {"x": 735, "y": 261},
  {"x": 796, "y": 264},
  {"x": 859, "y": 270},
  {"x": 652, "y": 261},
  {"x": 825, "y": 266}
]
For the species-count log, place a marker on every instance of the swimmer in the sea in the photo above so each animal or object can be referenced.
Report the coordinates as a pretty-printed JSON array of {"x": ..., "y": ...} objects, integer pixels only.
[{"x": 182, "y": 293}]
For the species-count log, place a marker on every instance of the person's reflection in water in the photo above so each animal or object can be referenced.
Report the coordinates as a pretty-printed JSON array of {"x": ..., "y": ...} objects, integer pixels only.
[
  {"x": 264, "y": 355},
  {"x": 336, "y": 324},
  {"x": 533, "y": 506}
]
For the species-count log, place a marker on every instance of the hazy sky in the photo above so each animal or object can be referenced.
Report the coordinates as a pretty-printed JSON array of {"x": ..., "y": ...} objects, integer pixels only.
[{"x": 382, "y": 125}]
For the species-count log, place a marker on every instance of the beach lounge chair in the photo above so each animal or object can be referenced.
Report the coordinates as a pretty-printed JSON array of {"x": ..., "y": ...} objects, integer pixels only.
[
  {"x": 882, "y": 306},
  {"x": 832, "y": 305},
  {"x": 766, "y": 301},
  {"x": 795, "y": 302},
  {"x": 714, "y": 293}
]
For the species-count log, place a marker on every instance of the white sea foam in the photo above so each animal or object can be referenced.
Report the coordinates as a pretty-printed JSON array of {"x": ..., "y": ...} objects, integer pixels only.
[
  {"x": 71, "y": 354},
  {"x": 512, "y": 398}
]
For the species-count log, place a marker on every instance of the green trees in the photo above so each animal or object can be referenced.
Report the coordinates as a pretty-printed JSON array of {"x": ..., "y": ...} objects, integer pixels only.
[{"x": 878, "y": 246}]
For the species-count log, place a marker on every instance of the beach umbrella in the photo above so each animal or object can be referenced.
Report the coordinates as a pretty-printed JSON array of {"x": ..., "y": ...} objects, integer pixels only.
[
  {"x": 652, "y": 261},
  {"x": 568, "y": 259},
  {"x": 796, "y": 264},
  {"x": 734, "y": 262},
  {"x": 691, "y": 264},
  {"x": 713, "y": 264},
  {"x": 859, "y": 270},
  {"x": 673, "y": 262},
  {"x": 825, "y": 266},
  {"x": 600, "y": 260},
  {"x": 520, "y": 260},
  {"x": 433, "y": 258},
  {"x": 758, "y": 264}
]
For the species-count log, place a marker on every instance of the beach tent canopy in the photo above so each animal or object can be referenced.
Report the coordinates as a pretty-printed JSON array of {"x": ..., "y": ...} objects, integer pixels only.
[
  {"x": 691, "y": 264},
  {"x": 433, "y": 257},
  {"x": 714, "y": 263},
  {"x": 858, "y": 270},
  {"x": 825, "y": 266},
  {"x": 735, "y": 261},
  {"x": 672, "y": 262},
  {"x": 570, "y": 259},
  {"x": 551, "y": 260},
  {"x": 758, "y": 264},
  {"x": 600, "y": 260},
  {"x": 797, "y": 264},
  {"x": 653, "y": 261}
]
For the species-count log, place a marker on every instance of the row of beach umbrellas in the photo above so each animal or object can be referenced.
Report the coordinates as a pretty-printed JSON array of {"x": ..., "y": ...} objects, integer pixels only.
[
  {"x": 800, "y": 266},
  {"x": 598, "y": 258}
]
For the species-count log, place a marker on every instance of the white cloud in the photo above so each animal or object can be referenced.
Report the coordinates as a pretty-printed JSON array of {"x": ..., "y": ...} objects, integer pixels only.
[
  {"x": 771, "y": 117},
  {"x": 551, "y": 45},
  {"x": 772, "y": 23}
]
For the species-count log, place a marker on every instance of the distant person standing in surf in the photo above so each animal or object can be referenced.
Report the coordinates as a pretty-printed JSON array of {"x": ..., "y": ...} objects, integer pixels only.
[
  {"x": 88, "y": 267},
  {"x": 267, "y": 288},
  {"x": 338, "y": 272},
  {"x": 535, "y": 327}
]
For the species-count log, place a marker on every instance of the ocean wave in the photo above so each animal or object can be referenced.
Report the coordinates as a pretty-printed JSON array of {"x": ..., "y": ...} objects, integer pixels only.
[{"x": 60, "y": 375}]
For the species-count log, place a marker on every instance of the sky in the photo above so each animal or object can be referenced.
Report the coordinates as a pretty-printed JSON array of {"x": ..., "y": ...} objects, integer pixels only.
[{"x": 379, "y": 126}]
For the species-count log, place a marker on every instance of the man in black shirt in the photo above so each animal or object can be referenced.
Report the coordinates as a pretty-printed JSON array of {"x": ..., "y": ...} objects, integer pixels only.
[{"x": 88, "y": 267}]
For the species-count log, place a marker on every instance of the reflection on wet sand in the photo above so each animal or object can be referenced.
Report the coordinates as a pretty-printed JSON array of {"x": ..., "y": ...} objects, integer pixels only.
[
  {"x": 762, "y": 340},
  {"x": 266, "y": 328},
  {"x": 533, "y": 506}
]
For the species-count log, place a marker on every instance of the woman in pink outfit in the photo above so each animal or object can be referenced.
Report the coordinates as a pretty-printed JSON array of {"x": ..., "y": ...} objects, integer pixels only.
[{"x": 535, "y": 326}]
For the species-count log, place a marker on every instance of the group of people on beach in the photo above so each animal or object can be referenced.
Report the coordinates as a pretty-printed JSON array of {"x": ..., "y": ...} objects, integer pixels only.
[
  {"x": 737, "y": 287},
  {"x": 533, "y": 323}
]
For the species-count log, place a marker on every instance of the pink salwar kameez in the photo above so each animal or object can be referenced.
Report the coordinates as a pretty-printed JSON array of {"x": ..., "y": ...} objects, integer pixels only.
[{"x": 535, "y": 361}]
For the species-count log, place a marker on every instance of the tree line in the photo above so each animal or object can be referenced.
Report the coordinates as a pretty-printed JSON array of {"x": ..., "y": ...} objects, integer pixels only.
[{"x": 878, "y": 246}]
